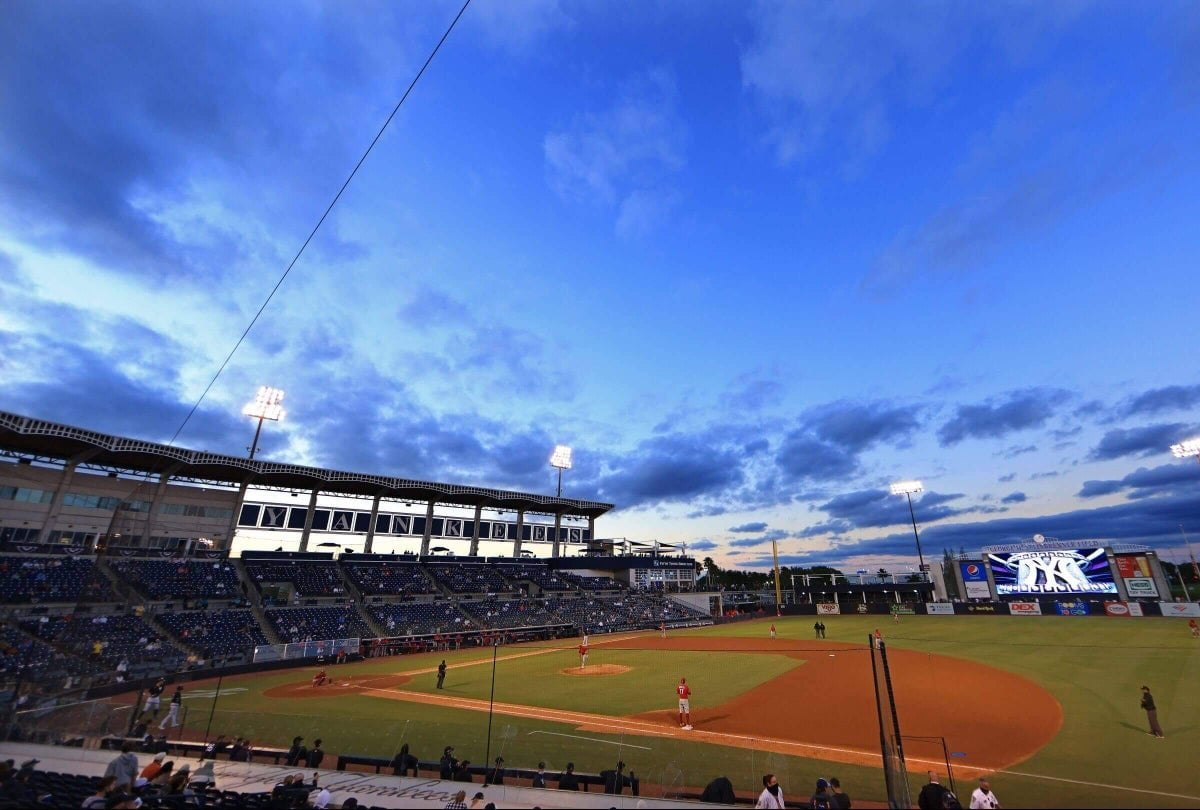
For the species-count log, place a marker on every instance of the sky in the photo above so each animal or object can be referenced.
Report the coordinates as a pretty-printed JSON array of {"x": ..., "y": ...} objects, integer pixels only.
[{"x": 752, "y": 261}]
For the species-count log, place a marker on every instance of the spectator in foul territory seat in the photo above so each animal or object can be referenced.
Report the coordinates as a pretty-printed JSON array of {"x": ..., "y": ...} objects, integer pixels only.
[
  {"x": 568, "y": 780},
  {"x": 841, "y": 800},
  {"x": 124, "y": 767}
]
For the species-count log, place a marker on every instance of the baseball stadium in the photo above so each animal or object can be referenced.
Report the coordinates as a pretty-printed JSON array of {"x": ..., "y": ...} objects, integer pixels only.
[{"x": 275, "y": 619}]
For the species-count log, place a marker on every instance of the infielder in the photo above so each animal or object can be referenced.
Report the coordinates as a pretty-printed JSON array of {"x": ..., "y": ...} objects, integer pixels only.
[
  {"x": 173, "y": 710},
  {"x": 685, "y": 707}
]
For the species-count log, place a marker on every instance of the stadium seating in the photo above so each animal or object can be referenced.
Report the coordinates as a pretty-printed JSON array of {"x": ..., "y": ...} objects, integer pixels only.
[
  {"x": 178, "y": 579},
  {"x": 52, "y": 579},
  {"x": 316, "y": 578},
  {"x": 475, "y": 578},
  {"x": 120, "y": 638},
  {"x": 389, "y": 578},
  {"x": 594, "y": 583},
  {"x": 18, "y": 651},
  {"x": 539, "y": 575},
  {"x": 216, "y": 633},
  {"x": 421, "y": 618},
  {"x": 506, "y": 614},
  {"x": 318, "y": 623}
]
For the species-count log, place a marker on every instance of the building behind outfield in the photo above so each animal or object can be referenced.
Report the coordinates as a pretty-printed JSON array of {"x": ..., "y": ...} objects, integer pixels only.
[{"x": 65, "y": 485}]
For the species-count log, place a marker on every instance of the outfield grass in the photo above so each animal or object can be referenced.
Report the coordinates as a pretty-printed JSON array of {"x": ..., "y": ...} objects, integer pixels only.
[{"x": 1094, "y": 667}]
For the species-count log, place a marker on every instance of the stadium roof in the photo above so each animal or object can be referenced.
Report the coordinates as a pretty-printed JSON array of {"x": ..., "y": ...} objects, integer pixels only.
[{"x": 44, "y": 441}]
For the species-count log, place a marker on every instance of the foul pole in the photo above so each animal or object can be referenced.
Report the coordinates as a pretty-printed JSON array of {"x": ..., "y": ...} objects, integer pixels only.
[{"x": 778, "y": 590}]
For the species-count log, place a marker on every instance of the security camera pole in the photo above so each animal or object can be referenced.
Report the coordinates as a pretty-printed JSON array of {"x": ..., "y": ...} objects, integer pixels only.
[
  {"x": 267, "y": 404},
  {"x": 907, "y": 488}
]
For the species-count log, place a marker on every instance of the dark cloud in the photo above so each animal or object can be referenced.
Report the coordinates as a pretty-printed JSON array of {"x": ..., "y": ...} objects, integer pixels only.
[
  {"x": 1004, "y": 479},
  {"x": 1020, "y": 410},
  {"x": 871, "y": 508},
  {"x": 1014, "y": 497},
  {"x": 1143, "y": 441},
  {"x": 749, "y": 527},
  {"x": 1171, "y": 398},
  {"x": 1166, "y": 479},
  {"x": 675, "y": 467},
  {"x": 702, "y": 545},
  {"x": 1040, "y": 475},
  {"x": 856, "y": 426},
  {"x": 802, "y": 457}
]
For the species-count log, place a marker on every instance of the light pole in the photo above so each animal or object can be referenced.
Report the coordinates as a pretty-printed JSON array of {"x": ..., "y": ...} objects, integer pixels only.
[
  {"x": 1189, "y": 448},
  {"x": 267, "y": 404},
  {"x": 907, "y": 488},
  {"x": 561, "y": 460},
  {"x": 1191, "y": 556}
]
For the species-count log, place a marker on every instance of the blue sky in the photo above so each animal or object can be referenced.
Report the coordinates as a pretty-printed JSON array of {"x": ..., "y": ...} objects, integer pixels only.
[{"x": 752, "y": 260}]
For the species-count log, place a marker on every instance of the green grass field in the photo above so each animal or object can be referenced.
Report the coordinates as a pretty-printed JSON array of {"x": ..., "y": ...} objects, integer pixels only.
[{"x": 1102, "y": 757}]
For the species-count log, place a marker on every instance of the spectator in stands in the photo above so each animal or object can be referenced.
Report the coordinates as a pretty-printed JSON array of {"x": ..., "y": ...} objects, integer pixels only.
[
  {"x": 99, "y": 799},
  {"x": 448, "y": 762},
  {"x": 459, "y": 802},
  {"x": 930, "y": 797},
  {"x": 772, "y": 796},
  {"x": 315, "y": 755},
  {"x": 719, "y": 791},
  {"x": 539, "y": 778},
  {"x": 403, "y": 761},
  {"x": 153, "y": 768},
  {"x": 496, "y": 775},
  {"x": 477, "y": 801},
  {"x": 164, "y": 773},
  {"x": 124, "y": 767},
  {"x": 822, "y": 799},
  {"x": 463, "y": 772},
  {"x": 240, "y": 751},
  {"x": 296, "y": 753},
  {"x": 614, "y": 780},
  {"x": 321, "y": 800},
  {"x": 841, "y": 801}
]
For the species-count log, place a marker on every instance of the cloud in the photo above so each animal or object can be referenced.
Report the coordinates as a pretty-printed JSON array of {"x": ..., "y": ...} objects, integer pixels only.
[
  {"x": 1017, "y": 450},
  {"x": 750, "y": 542},
  {"x": 1166, "y": 479},
  {"x": 625, "y": 157},
  {"x": 1004, "y": 479},
  {"x": 1019, "y": 410},
  {"x": 1014, "y": 497},
  {"x": 870, "y": 508},
  {"x": 673, "y": 467},
  {"x": 749, "y": 527},
  {"x": 1170, "y": 398},
  {"x": 517, "y": 26},
  {"x": 856, "y": 426},
  {"x": 702, "y": 545},
  {"x": 1147, "y": 440},
  {"x": 803, "y": 457}
]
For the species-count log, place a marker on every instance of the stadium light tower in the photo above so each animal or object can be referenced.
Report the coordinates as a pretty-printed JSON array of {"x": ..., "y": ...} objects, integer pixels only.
[
  {"x": 561, "y": 460},
  {"x": 267, "y": 404},
  {"x": 907, "y": 488}
]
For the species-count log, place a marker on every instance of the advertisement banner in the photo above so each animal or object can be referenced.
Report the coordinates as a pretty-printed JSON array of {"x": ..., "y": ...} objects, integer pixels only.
[
  {"x": 975, "y": 580},
  {"x": 1190, "y": 609},
  {"x": 1135, "y": 609},
  {"x": 829, "y": 609},
  {"x": 1052, "y": 572},
  {"x": 1025, "y": 608},
  {"x": 1071, "y": 608},
  {"x": 1141, "y": 586},
  {"x": 1133, "y": 565},
  {"x": 939, "y": 608},
  {"x": 982, "y": 608},
  {"x": 1116, "y": 609}
]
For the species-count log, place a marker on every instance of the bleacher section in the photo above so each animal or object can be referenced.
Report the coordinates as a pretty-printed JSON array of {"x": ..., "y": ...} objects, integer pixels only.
[
  {"x": 52, "y": 579},
  {"x": 318, "y": 623},
  {"x": 539, "y": 575},
  {"x": 420, "y": 618},
  {"x": 389, "y": 578},
  {"x": 475, "y": 578},
  {"x": 217, "y": 632},
  {"x": 106, "y": 641},
  {"x": 19, "y": 651},
  {"x": 179, "y": 579},
  {"x": 594, "y": 583},
  {"x": 316, "y": 578},
  {"x": 506, "y": 614}
]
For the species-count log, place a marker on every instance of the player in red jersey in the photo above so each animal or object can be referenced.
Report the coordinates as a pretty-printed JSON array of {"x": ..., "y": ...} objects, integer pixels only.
[
  {"x": 772, "y": 631},
  {"x": 319, "y": 679},
  {"x": 583, "y": 651},
  {"x": 685, "y": 707}
]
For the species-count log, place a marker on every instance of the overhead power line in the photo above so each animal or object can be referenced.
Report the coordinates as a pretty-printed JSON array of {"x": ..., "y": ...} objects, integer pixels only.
[{"x": 320, "y": 222}]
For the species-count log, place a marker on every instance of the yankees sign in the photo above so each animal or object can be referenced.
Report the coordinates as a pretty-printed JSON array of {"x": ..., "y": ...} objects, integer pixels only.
[{"x": 1046, "y": 571}]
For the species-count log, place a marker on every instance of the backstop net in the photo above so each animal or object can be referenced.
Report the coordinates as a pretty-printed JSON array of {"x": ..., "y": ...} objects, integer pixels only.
[{"x": 891, "y": 745}]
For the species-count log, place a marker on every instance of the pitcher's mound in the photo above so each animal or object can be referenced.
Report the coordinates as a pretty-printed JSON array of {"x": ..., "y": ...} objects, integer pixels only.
[{"x": 596, "y": 669}]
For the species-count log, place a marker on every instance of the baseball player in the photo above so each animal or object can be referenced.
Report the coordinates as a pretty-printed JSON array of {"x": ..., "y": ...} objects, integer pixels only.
[
  {"x": 154, "y": 695},
  {"x": 583, "y": 651},
  {"x": 685, "y": 708},
  {"x": 320, "y": 678},
  {"x": 173, "y": 709}
]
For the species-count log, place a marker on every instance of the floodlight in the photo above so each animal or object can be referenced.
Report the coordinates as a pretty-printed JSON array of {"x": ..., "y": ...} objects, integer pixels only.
[
  {"x": 907, "y": 488},
  {"x": 267, "y": 404},
  {"x": 1187, "y": 449},
  {"x": 561, "y": 457}
]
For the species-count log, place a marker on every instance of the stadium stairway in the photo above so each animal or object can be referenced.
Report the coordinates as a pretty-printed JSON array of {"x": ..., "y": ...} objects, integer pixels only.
[
  {"x": 359, "y": 607},
  {"x": 126, "y": 592},
  {"x": 370, "y": 789},
  {"x": 260, "y": 616}
]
